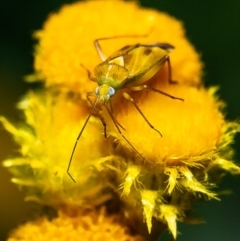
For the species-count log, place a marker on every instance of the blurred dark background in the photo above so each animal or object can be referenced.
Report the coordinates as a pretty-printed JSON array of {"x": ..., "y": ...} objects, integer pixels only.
[{"x": 212, "y": 26}]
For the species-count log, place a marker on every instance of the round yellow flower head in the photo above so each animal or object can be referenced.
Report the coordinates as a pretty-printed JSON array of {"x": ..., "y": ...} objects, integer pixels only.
[
  {"x": 88, "y": 225},
  {"x": 66, "y": 41},
  {"x": 182, "y": 125},
  {"x": 167, "y": 137},
  {"x": 179, "y": 166},
  {"x": 52, "y": 123}
]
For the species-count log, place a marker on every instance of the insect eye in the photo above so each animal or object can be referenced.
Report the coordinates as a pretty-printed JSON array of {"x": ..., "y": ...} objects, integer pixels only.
[
  {"x": 111, "y": 91},
  {"x": 97, "y": 91}
]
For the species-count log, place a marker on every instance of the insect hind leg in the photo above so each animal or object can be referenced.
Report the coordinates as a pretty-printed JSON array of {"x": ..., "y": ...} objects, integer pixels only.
[
  {"x": 119, "y": 131},
  {"x": 98, "y": 48},
  {"x": 128, "y": 97},
  {"x": 146, "y": 87},
  {"x": 168, "y": 48},
  {"x": 170, "y": 81}
]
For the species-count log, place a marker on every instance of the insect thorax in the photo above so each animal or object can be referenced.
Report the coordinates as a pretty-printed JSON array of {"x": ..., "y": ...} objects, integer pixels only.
[{"x": 111, "y": 74}]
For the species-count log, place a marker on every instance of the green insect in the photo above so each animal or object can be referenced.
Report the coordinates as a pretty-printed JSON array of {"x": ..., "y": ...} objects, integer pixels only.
[{"x": 128, "y": 68}]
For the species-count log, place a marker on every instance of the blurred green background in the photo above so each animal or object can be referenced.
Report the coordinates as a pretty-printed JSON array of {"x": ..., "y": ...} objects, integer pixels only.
[{"x": 212, "y": 26}]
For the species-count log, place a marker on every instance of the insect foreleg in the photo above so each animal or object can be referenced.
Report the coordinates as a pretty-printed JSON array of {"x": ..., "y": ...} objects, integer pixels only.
[
  {"x": 128, "y": 97},
  {"x": 119, "y": 131},
  {"x": 111, "y": 109},
  {"x": 141, "y": 87}
]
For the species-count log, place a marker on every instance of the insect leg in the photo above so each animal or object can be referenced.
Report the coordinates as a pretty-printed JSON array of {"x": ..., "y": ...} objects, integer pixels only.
[
  {"x": 166, "y": 58},
  {"x": 170, "y": 81},
  {"x": 99, "y": 49},
  {"x": 119, "y": 131},
  {"x": 111, "y": 109},
  {"x": 141, "y": 87},
  {"x": 128, "y": 97},
  {"x": 100, "y": 116}
]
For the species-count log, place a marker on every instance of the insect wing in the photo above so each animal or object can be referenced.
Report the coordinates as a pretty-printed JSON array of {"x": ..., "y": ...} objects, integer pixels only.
[
  {"x": 121, "y": 52},
  {"x": 142, "y": 61}
]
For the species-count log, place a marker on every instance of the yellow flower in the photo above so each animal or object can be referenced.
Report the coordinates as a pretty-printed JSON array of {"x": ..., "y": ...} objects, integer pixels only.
[
  {"x": 66, "y": 41},
  {"x": 137, "y": 170},
  {"x": 46, "y": 142},
  {"x": 182, "y": 124},
  {"x": 184, "y": 161},
  {"x": 88, "y": 225}
]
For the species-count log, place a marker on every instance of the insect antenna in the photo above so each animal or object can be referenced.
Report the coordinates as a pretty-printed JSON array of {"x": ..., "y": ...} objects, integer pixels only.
[
  {"x": 90, "y": 77},
  {"x": 75, "y": 145},
  {"x": 119, "y": 131},
  {"x": 93, "y": 104}
]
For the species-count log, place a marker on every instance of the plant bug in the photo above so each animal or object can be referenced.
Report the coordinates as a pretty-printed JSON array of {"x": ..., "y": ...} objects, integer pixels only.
[{"x": 128, "y": 68}]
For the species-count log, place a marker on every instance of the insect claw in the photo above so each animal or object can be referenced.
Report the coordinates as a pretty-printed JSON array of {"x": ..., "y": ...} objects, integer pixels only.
[
  {"x": 158, "y": 132},
  {"x": 177, "y": 98},
  {"x": 155, "y": 129}
]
